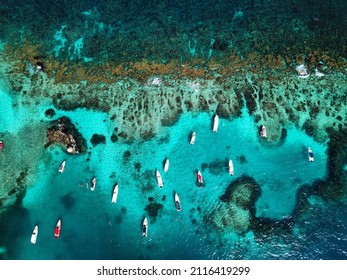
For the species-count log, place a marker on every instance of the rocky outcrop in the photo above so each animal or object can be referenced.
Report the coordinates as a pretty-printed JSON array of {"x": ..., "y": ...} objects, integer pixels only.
[{"x": 63, "y": 132}]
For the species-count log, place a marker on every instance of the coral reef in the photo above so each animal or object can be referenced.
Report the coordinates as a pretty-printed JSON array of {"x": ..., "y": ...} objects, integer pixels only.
[{"x": 235, "y": 212}]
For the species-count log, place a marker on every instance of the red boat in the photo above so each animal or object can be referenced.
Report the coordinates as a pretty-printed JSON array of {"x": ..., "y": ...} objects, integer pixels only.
[
  {"x": 57, "y": 229},
  {"x": 1, "y": 145},
  {"x": 200, "y": 180}
]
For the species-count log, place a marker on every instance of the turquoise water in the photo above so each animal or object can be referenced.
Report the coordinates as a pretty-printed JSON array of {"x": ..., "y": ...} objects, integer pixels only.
[{"x": 94, "y": 228}]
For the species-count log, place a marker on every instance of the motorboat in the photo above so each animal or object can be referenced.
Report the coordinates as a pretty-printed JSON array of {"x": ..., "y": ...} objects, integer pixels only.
[
  {"x": 215, "y": 123},
  {"x": 159, "y": 179},
  {"x": 57, "y": 229},
  {"x": 144, "y": 227},
  {"x": 177, "y": 203},
  {"x": 200, "y": 180},
  {"x": 93, "y": 183},
  {"x": 115, "y": 194},
  {"x": 34, "y": 234},
  {"x": 192, "y": 138},
  {"x": 310, "y": 154},
  {"x": 166, "y": 165},
  {"x": 262, "y": 131},
  {"x": 62, "y": 166},
  {"x": 1, "y": 145},
  {"x": 231, "y": 167}
]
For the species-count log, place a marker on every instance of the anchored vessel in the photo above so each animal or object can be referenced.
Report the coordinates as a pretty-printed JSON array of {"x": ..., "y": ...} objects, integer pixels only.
[
  {"x": 159, "y": 179},
  {"x": 92, "y": 187},
  {"x": 192, "y": 138},
  {"x": 215, "y": 123},
  {"x": 177, "y": 202},
  {"x": 62, "y": 166},
  {"x": 144, "y": 227},
  {"x": 166, "y": 165},
  {"x": 57, "y": 229},
  {"x": 231, "y": 167},
  {"x": 115, "y": 194},
  {"x": 34, "y": 234}
]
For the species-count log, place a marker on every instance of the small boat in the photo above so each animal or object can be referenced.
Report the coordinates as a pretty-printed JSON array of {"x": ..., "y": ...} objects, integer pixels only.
[
  {"x": 159, "y": 179},
  {"x": 1, "y": 145},
  {"x": 177, "y": 203},
  {"x": 262, "y": 131},
  {"x": 192, "y": 138},
  {"x": 166, "y": 165},
  {"x": 62, "y": 166},
  {"x": 93, "y": 183},
  {"x": 57, "y": 229},
  {"x": 215, "y": 123},
  {"x": 34, "y": 234},
  {"x": 115, "y": 194},
  {"x": 200, "y": 181},
  {"x": 144, "y": 227},
  {"x": 231, "y": 167},
  {"x": 310, "y": 154}
]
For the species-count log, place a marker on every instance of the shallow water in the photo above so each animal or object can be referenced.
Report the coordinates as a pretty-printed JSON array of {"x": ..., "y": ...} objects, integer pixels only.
[{"x": 94, "y": 228}]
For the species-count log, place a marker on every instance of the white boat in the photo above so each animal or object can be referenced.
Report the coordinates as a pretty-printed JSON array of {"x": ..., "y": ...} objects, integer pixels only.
[
  {"x": 192, "y": 138},
  {"x": 177, "y": 202},
  {"x": 200, "y": 180},
  {"x": 262, "y": 131},
  {"x": 115, "y": 194},
  {"x": 93, "y": 183},
  {"x": 62, "y": 166},
  {"x": 34, "y": 234},
  {"x": 159, "y": 179},
  {"x": 166, "y": 165},
  {"x": 1, "y": 145},
  {"x": 144, "y": 227},
  {"x": 215, "y": 123},
  {"x": 57, "y": 229},
  {"x": 231, "y": 167},
  {"x": 310, "y": 154}
]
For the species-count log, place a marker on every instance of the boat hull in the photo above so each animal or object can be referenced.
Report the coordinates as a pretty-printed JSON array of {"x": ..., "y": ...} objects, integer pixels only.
[
  {"x": 93, "y": 184},
  {"x": 177, "y": 203},
  {"x": 115, "y": 194},
  {"x": 62, "y": 167},
  {"x": 34, "y": 235},
  {"x": 231, "y": 167},
  {"x": 159, "y": 179},
  {"x": 192, "y": 138},
  {"x": 57, "y": 229},
  {"x": 144, "y": 227},
  {"x": 166, "y": 165},
  {"x": 215, "y": 123}
]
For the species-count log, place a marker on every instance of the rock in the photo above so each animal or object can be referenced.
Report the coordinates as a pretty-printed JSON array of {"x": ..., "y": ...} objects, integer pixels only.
[{"x": 63, "y": 132}]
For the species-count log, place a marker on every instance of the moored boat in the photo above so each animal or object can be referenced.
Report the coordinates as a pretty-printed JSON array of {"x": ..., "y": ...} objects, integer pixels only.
[
  {"x": 192, "y": 138},
  {"x": 62, "y": 167},
  {"x": 144, "y": 227},
  {"x": 93, "y": 183},
  {"x": 1, "y": 145},
  {"x": 34, "y": 234},
  {"x": 159, "y": 179},
  {"x": 200, "y": 180},
  {"x": 310, "y": 154},
  {"x": 231, "y": 167},
  {"x": 115, "y": 194},
  {"x": 166, "y": 165},
  {"x": 57, "y": 229},
  {"x": 262, "y": 131},
  {"x": 177, "y": 202},
  {"x": 215, "y": 123}
]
